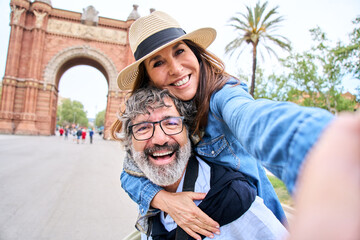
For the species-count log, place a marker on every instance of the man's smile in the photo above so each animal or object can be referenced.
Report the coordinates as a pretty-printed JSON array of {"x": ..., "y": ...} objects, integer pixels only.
[{"x": 161, "y": 155}]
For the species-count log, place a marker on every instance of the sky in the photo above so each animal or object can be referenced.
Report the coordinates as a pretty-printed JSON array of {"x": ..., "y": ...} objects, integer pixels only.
[{"x": 87, "y": 85}]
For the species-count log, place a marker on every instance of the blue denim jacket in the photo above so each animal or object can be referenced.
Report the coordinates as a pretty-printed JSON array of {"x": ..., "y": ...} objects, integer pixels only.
[{"x": 245, "y": 134}]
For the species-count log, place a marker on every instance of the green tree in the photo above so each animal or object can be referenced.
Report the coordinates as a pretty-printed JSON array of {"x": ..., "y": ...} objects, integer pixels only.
[
  {"x": 314, "y": 77},
  {"x": 100, "y": 119},
  {"x": 72, "y": 112},
  {"x": 272, "y": 87},
  {"x": 348, "y": 55},
  {"x": 358, "y": 94},
  {"x": 257, "y": 27}
]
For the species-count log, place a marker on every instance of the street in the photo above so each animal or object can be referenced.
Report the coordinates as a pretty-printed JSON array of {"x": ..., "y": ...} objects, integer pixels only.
[{"x": 52, "y": 188}]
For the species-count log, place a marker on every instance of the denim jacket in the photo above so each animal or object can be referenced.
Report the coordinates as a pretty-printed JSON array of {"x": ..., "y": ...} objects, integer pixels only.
[{"x": 247, "y": 134}]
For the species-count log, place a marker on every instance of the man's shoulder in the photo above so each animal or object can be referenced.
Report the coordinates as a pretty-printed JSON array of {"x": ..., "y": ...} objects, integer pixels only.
[
  {"x": 216, "y": 166},
  {"x": 220, "y": 173}
]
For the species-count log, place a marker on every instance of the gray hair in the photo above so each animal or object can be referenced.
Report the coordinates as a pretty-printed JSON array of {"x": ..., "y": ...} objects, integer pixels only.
[{"x": 150, "y": 98}]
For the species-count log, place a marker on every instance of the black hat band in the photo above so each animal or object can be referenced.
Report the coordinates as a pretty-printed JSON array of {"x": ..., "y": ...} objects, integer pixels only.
[{"x": 157, "y": 40}]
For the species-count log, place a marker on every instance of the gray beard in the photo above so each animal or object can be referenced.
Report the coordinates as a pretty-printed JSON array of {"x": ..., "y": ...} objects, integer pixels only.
[{"x": 167, "y": 174}]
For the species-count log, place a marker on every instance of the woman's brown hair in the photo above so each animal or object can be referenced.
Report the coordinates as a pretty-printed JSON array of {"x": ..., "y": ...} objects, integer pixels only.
[{"x": 212, "y": 77}]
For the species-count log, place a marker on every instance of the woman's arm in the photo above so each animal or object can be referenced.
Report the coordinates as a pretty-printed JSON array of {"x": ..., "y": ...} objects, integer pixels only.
[
  {"x": 140, "y": 189},
  {"x": 181, "y": 207},
  {"x": 279, "y": 134}
]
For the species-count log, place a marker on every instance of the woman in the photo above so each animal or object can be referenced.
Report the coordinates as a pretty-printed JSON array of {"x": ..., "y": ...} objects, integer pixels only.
[{"x": 235, "y": 129}]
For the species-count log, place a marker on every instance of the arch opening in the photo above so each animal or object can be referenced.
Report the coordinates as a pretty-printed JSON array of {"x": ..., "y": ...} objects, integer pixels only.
[
  {"x": 86, "y": 84},
  {"x": 79, "y": 62}
]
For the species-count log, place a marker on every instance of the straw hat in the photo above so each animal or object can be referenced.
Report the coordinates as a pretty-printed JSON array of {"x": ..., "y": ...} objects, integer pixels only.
[{"x": 150, "y": 34}]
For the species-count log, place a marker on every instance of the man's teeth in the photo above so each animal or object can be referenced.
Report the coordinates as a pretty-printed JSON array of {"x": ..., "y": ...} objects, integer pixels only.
[
  {"x": 182, "y": 82},
  {"x": 161, "y": 154}
]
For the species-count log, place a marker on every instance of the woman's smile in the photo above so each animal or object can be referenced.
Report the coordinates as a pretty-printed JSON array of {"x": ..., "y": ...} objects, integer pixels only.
[
  {"x": 176, "y": 69},
  {"x": 182, "y": 81}
]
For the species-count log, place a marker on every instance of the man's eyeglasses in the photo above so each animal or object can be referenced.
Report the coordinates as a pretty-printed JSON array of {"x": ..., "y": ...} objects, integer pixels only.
[{"x": 145, "y": 130}]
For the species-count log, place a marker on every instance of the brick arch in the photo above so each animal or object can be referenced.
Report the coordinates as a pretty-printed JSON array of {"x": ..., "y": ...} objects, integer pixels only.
[
  {"x": 44, "y": 43},
  {"x": 55, "y": 68}
]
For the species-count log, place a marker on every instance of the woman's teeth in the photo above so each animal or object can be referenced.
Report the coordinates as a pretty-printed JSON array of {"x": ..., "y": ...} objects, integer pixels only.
[{"x": 182, "y": 82}]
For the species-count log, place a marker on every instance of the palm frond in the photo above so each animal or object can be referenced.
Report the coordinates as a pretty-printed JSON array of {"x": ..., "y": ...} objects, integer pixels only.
[
  {"x": 250, "y": 17},
  {"x": 236, "y": 22},
  {"x": 259, "y": 11},
  {"x": 235, "y": 44},
  {"x": 273, "y": 23},
  {"x": 270, "y": 51},
  {"x": 285, "y": 43},
  {"x": 270, "y": 14}
]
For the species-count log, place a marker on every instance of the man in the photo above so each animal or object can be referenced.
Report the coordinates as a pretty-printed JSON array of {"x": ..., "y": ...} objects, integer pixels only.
[
  {"x": 91, "y": 134},
  {"x": 78, "y": 135},
  {"x": 155, "y": 133}
]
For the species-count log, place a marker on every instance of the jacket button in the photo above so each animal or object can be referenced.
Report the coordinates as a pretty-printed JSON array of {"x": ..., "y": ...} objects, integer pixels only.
[{"x": 212, "y": 152}]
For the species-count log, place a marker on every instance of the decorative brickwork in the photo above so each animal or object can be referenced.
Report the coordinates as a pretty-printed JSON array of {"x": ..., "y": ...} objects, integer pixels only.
[{"x": 44, "y": 43}]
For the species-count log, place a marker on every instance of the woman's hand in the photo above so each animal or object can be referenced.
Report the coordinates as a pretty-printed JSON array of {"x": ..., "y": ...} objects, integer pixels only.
[
  {"x": 181, "y": 207},
  {"x": 328, "y": 194}
]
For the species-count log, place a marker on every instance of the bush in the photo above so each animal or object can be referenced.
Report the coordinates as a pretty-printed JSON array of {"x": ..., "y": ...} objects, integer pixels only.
[{"x": 281, "y": 191}]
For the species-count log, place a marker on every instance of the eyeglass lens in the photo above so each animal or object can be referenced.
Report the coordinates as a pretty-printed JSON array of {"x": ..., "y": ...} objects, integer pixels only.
[{"x": 145, "y": 130}]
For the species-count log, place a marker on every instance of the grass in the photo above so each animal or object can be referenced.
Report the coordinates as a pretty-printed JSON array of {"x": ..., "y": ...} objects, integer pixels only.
[{"x": 281, "y": 191}]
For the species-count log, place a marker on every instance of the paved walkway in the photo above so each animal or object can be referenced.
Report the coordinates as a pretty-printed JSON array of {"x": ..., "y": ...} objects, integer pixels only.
[{"x": 51, "y": 188}]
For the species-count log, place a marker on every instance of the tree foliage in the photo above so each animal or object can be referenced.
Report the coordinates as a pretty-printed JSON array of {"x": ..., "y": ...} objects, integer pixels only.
[
  {"x": 100, "y": 119},
  {"x": 72, "y": 112},
  {"x": 358, "y": 94},
  {"x": 312, "y": 78},
  {"x": 349, "y": 54},
  {"x": 256, "y": 26},
  {"x": 272, "y": 87}
]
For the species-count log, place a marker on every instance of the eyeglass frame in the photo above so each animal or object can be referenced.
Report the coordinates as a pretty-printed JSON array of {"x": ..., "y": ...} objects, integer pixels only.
[{"x": 153, "y": 127}]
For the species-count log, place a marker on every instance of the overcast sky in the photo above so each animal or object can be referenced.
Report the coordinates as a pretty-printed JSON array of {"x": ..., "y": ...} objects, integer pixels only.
[{"x": 89, "y": 86}]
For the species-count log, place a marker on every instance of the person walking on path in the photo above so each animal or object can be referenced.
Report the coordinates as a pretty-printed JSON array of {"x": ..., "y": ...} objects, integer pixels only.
[
  {"x": 78, "y": 135},
  {"x": 61, "y": 131},
  {"x": 91, "y": 134},
  {"x": 66, "y": 133},
  {"x": 73, "y": 133},
  {"x": 83, "y": 135}
]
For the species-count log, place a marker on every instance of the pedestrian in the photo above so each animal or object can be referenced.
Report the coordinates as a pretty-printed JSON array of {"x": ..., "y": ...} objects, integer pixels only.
[
  {"x": 61, "y": 131},
  {"x": 66, "y": 133},
  {"x": 73, "y": 133},
  {"x": 91, "y": 134},
  {"x": 83, "y": 135},
  {"x": 78, "y": 135}
]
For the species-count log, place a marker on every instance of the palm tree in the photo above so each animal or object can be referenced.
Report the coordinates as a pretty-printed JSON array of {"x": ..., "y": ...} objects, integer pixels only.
[{"x": 253, "y": 26}]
